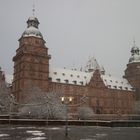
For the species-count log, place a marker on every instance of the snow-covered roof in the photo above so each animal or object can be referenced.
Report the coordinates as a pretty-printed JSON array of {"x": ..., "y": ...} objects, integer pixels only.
[
  {"x": 32, "y": 28},
  {"x": 32, "y": 31},
  {"x": 134, "y": 59},
  {"x": 75, "y": 77},
  {"x": 116, "y": 83},
  {"x": 62, "y": 75}
]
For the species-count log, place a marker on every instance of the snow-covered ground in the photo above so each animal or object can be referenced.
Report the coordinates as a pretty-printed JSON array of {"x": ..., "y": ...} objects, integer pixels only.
[{"x": 9, "y": 132}]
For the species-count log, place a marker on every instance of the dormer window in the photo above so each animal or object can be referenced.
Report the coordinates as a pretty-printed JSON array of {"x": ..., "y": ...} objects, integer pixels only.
[
  {"x": 58, "y": 80},
  {"x": 75, "y": 82},
  {"x": 120, "y": 87},
  {"x": 63, "y": 74},
  {"x": 78, "y": 76},
  {"x": 67, "y": 81},
  {"x": 55, "y": 73},
  {"x": 50, "y": 79},
  {"x": 115, "y": 87},
  {"x": 109, "y": 86},
  {"x": 81, "y": 82},
  {"x": 132, "y": 89}
]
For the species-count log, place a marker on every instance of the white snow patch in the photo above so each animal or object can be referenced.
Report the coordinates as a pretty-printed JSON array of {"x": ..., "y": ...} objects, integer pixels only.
[
  {"x": 36, "y": 133},
  {"x": 37, "y": 138},
  {"x": 101, "y": 135},
  {"x": 4, "y": 135},
  {"x": 54, "y": 128}
]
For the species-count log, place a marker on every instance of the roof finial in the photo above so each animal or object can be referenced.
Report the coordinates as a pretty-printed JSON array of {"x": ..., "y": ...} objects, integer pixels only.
[
  {"x": 134, "y": 41},
  {"x": 33, "y": 10}
]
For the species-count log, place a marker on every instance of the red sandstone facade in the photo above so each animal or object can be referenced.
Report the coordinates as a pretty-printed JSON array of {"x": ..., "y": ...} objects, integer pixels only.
[
  {"x": 132, "y": 73},
  {"x": 31, "y": 64},
  {"x": 100, "y": 98}
]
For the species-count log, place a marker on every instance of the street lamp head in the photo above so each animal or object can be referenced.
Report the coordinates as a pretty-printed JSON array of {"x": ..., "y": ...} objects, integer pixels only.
[
  {"x": 70, "y": 99},
  {"x": 66, "y": 99},
  {"x": 62, "y": 99}
]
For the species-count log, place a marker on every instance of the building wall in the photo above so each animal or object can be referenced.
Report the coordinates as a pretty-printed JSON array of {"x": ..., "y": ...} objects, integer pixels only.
[{"x": 101, "y": 99}]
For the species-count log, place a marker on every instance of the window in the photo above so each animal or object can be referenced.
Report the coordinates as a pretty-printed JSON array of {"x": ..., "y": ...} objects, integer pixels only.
[
  {"x": 120, "y": 87},
  {"x": 58, "y": 80},
  {"x": 126, "y": 88},
  {"x": 78, "y": 76},
  {"x": 81, "y": 82},
  {"x": 55, "y": 73},
  {"x": 115, "y": 86},
  {"x": 50, "y": 79},
  {"x": 109, "y": 86},
  {"x": 75, "y": 82},
  {"x": 63, "y": 74},
  {"x": 71, "y": 75},
  {"x": 67, "y": 81}
]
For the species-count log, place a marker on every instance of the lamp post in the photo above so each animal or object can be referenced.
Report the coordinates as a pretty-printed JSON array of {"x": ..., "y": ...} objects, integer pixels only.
[{"x": 66, "y": 101}]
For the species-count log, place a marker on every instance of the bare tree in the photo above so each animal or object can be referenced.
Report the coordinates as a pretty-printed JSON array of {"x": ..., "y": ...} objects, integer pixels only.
[
  {"x": 39, "y": 104},
  {"x": 85, "y": 113},
  {"x": 4, "y": 99},
  {"x": 55, "y": 109}
]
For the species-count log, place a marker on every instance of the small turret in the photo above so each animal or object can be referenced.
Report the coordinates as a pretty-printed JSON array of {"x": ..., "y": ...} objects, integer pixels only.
[
  {"x": 135, "y": 55},
  {"x": 132, "y": 72}
]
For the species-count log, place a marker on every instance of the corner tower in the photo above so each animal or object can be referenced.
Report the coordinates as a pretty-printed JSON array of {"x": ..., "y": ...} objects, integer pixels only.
[
  {"x": 31, "y": 62},
  {"x": 132, "y": 72}
]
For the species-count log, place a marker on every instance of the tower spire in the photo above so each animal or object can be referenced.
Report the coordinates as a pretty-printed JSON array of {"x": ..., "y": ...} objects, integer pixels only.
[
  {"x": 33, "y": 10},
  {"x": 134, "y": 41}
]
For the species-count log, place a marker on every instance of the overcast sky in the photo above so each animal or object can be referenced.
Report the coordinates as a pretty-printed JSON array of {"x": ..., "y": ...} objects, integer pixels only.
[{"x": 75, "y": 30}]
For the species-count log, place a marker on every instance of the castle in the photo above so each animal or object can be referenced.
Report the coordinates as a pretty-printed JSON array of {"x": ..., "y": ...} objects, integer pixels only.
[{"x": 104, "y": 93}]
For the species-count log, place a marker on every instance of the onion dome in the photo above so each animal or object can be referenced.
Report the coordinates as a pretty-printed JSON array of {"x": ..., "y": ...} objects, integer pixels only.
[
  {"x": 135, "y": 54},
  {"x": 32, "y": 28}
]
